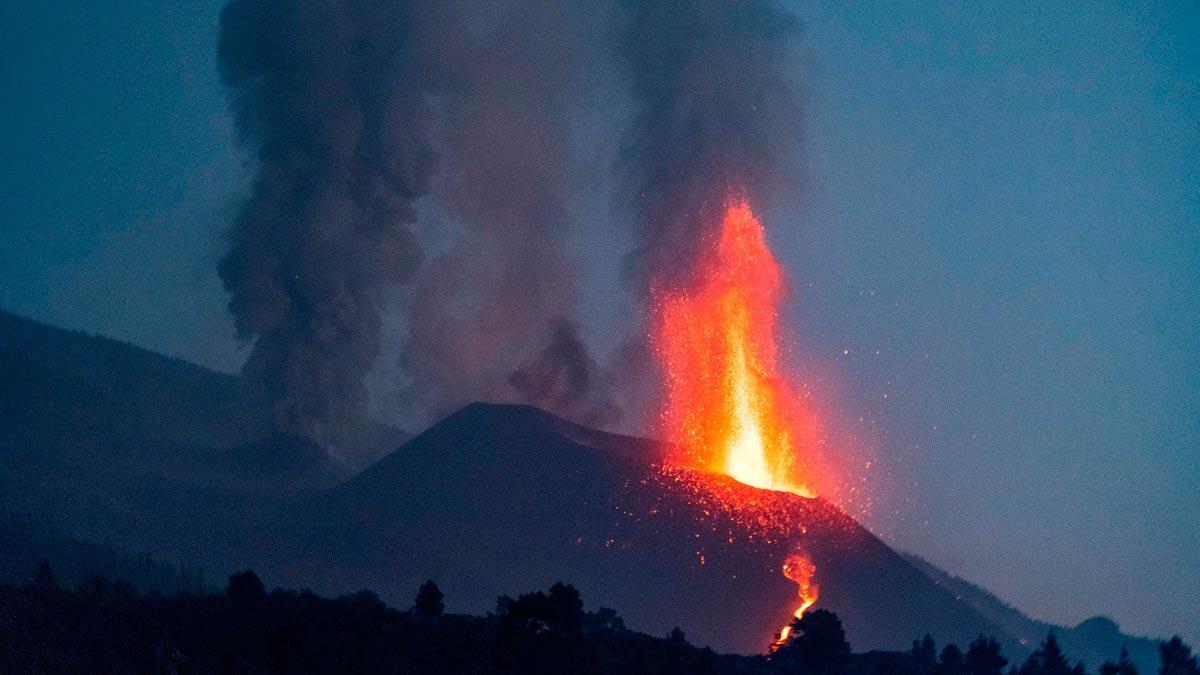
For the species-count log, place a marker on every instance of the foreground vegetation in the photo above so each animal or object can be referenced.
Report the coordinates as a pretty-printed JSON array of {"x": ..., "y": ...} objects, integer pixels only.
[{"x": 110, "y": 627}]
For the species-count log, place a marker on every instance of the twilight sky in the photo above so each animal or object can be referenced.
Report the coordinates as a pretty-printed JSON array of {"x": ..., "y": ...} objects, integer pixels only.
[{"x": 996, "y": 263}]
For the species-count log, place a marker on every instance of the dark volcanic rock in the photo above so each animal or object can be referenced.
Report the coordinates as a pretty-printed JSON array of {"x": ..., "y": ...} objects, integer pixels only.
[
  {"x": 155, "y": 456},
  {"x": 496, "y": 498}
]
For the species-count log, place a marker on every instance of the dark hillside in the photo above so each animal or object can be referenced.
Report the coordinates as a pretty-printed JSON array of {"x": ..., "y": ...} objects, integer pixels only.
[
  {"x": 496, "y": 497},
  {"x": 89, "y": 403},
  {"x": 153, "y": 456},
  {"x": 1093, "y": 641}
]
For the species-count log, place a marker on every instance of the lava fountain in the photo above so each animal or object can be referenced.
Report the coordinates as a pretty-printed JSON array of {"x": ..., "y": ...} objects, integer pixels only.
[{"x": 728, "y": 409}]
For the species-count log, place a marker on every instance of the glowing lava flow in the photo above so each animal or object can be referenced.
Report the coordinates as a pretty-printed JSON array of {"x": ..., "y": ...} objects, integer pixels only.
[
  {"x": 728, "y": 409},
  {"x": 799, "y": 569}
]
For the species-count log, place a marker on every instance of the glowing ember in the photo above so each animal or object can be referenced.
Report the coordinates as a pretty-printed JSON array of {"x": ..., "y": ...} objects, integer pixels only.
[
  {"x": 727, "y": 407},
  {"x": 799, "y": 569}
]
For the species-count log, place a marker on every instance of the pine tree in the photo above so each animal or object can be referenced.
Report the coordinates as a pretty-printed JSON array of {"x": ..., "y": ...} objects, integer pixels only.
[
  {"x": 429, "y": 600},
  {"x": 817, "y": 643},
  {"x": 1177, "y": 658},
  {"x": 1123, "y": 666},
  {"x": 951, "y": 661},
  {"x": 1048, "y": 659},
  {"x": 924, "y": 652},
  {"x": 983, "y": 657}
]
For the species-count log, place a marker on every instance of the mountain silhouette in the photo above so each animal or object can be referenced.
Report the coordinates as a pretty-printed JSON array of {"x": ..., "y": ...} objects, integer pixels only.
[
  {"x": 155, "y": 456},
  {"x": 1092, "y": 641},
  {"x": 85, "y": 402}
]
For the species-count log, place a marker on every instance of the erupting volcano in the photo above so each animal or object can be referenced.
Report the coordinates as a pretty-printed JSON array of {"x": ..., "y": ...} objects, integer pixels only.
[{"x": 728, "y": 408}]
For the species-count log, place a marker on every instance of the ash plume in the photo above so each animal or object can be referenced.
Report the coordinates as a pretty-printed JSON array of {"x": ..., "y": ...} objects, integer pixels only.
[
  {"x": 490, "y": 318},
  {"x": 328, "y": 97},
  {"x": 355, "y": 109},
  {"x": 715, "y": 109}
]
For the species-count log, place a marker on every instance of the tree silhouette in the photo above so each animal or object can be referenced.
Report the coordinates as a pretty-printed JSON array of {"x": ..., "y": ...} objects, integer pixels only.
[
  {"x": 676, "y": 648},
  {"x": 951, "y": 661},
  {"x": 429, "y": 600},
  {"x": 983, "y": 657},
  {"x": 245, "y": 587},
  {"x": 817, "y": 643},
  {"x": 924, "y": 652},
  {"x": 1048, "y": 659},
  {"x": 1123, "y": 666},
  {"x": 1177, "y": 658},
  {"x": 560, "y": 611},
  {"x": 565, "y": 608},
  {"x": 45, "y": 578},
  {"x": 606, "y": 618}
]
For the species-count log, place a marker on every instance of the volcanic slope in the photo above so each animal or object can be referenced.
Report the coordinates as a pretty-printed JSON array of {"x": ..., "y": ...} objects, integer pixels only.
[
  {"x": 79, "y": 403},
  {"x": 157, "y": 456},
  {"x": 500, "y": 497},
  {"x": 153, "y": 455}
]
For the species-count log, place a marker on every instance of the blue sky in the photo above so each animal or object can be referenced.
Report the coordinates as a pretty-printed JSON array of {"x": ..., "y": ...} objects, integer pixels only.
[{"x": 1001, "y": 199}]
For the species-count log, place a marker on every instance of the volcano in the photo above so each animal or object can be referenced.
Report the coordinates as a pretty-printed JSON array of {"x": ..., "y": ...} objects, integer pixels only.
[
  {"x": 498, "y": 497},
  {"x": 492, "y": 500}
]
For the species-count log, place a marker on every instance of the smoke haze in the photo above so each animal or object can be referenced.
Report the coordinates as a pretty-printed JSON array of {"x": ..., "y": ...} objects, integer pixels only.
[
  {"x": 327, "y": 96},
  {"x": 356, "y": 109},
  {"x": 715, "y": 110},
  {"x": 498, "y": 307}
]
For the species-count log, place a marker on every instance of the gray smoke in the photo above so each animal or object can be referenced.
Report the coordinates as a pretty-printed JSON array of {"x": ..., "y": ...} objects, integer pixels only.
[
  {"x": 563, "y": 377},
  {"x": 348, "y": 107},
  {"x": 355, "y": 109},
  {"x": 491, "y": 317},
  {"x": 328, "y": 96},
  {"x": 716, "y": 109}
]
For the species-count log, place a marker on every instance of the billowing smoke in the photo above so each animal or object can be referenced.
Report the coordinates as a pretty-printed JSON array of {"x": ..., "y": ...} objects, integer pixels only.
[
  {"x": 328, "y": 96},
  {"x": 347, "y": 106},
  {"x": 492, "y": 317},
  {"x": 563, "y": 377},
  {"x": 716, "y": 108},
  {"x": 356, "y": 109}
]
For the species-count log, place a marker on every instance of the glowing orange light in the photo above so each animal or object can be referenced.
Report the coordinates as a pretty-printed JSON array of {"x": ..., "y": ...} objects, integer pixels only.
[
  {"x": 728, "y": 409},
  {"x": 800, "y": 570}
]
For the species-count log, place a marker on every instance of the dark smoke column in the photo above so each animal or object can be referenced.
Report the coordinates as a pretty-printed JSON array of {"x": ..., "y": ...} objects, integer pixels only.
[
  {"x": 328, "y": 97},
  {"x": 716, "y": 108}
]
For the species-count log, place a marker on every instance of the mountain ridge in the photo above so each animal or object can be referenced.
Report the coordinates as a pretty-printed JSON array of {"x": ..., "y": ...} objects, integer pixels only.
[
  {"x": 1093, "y": 640},
  {"x": 628, "y": 521},
  {"x": 457, "y": 500}
]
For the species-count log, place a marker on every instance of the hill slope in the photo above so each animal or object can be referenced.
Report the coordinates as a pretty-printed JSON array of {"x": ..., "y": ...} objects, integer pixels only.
[
  {"x": 82, "y": 403},
  {"x": 1093, "y": 641},
  {"x": 496, "y": 497},
  {"x": 156, "y": 456}
]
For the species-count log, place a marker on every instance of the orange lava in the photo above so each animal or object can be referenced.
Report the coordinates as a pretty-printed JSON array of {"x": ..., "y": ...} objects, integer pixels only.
[
  {"x": 728, "y": 409},
  {"x": 801, "y": 570}
]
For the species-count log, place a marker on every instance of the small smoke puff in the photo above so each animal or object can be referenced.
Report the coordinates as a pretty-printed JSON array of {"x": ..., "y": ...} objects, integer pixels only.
[{"x": 564, "y": 377}]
